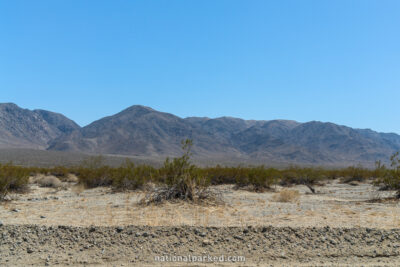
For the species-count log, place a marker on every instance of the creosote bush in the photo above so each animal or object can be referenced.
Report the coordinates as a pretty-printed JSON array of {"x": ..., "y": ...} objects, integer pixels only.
[
  {"x": 131, "y": 177},
  {"x": 93, "y": 173},
  {"x": 180, "y": 179},
  {"x": 356, "y": 174},
  {"x": 391, "y": 177},
  {"x": 12, "y": 179},
  {"x": 257, "y": 178}
]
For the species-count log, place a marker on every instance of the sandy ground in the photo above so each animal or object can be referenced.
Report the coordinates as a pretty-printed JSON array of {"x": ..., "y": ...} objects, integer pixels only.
[
  {"x": 31, "y": 233},
  {"x": 335, "y": 205}
]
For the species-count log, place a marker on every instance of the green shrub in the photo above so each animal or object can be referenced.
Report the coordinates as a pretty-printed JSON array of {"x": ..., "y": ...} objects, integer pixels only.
[
  {"x": 12, "y": 179},
  {"x": 180, "y": 180},
  {"x": 391, "y": 177},
  {"x": 93, "y": 173},
  {"x": 221, "y": 175},
  {"x": 355, "y": 173},
  {"x": 257, "y": 178},
  {"x": 305, "y": 176},
  {"x": 129, "y": 177}
]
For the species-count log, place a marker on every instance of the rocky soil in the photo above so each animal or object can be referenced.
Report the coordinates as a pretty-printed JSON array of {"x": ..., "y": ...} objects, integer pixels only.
[
  {"x": 69, "y": 226},
  {"x": 23, "y": 245}
]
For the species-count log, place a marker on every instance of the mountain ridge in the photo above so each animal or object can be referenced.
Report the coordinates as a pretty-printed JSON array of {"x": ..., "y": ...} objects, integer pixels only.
[
  {"x": 142, "y": 131},
  {"x": 24, "y": 128}
]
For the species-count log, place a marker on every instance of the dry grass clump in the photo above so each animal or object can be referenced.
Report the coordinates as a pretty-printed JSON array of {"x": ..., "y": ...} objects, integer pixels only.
[
  {"x": 286, "y": 195},
  {"x": 78, "y": 188},
  {"x": 71, "y": 178},
  {"x": 49, "y": 181},
  {"x": 46, "y": 181}
]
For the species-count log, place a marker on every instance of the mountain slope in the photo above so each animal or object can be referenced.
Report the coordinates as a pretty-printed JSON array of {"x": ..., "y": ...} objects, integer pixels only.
[
  {"x": 143, "y": 131},
  {"x": 138, "y": 130},
  {"x": 23, "y": 128}
]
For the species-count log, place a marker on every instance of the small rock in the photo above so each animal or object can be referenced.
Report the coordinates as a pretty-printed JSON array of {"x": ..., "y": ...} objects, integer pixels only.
[
  {"x": 119, "y": 229},
  {"x": 16, "y": 210},
  {"x": 238, "y": 237},
  {"x": 1, "y": 223},
  {"x": 206, "y": 242},
  {"x": 42, "y": 217},
  {"x": 29, "y": 250}
]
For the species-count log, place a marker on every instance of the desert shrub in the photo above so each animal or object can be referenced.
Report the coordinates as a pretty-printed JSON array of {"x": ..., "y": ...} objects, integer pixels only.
[
  {"x": 180, "y": 179},
  {"x": 257, "y": 178},
  {"x": 71, "y": 178},
  {"x": 94, "y": 177},
  {"x": 12, "y": 179},
  {"x": 379, "y": 171},
  {"x": 286, "y": 195},
  {"x": 332, "y": 174},
  {"x": 305, "y": 176},
  {"x": 131, "y": 177},
  {"x": 93, "y": 173},
  {"x": 60, "y": 172},
  {"x": 355, "y": 174},
  {"x": 391, "y": 178},
  {"x": 48, "y": 181},
  {"x": 222, "y": 175}
]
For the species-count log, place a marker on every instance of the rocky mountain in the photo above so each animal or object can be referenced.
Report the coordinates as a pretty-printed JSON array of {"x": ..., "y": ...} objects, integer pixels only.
[
  {"x": 23, "y": 128},
  {"x": 142, "y": 131}
]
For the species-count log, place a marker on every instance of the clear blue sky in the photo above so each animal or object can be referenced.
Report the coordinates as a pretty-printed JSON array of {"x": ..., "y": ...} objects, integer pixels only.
[{"x": 335, "y": 61}]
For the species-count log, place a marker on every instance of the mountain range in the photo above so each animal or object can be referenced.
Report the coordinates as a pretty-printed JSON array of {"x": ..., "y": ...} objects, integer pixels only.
[{"x": 142, "y": 131}]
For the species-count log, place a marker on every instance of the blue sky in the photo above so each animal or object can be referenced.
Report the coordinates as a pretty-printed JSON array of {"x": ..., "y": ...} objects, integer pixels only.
[{"x": 335, "y": 61}]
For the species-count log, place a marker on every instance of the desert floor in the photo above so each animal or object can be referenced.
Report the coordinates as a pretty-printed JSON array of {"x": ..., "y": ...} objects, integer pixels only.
[{"x": 338, "y": 226}]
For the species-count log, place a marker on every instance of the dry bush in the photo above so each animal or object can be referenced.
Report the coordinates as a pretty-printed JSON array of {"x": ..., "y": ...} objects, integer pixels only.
[
  {"x": 286, "y": 195},
  {"x": 78, "y": 189},
  {"x": 48, "y": 181},
  {"x": 71, "y": 178}
]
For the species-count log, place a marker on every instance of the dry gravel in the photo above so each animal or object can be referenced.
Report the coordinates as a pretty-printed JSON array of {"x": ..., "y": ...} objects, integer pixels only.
[{"x": 66, "y": 245}]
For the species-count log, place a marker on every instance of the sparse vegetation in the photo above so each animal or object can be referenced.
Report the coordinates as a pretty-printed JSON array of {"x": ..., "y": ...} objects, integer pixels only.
[
  {"x": 180, "y": 179},
  {"x": 356, "y": 174},
  {"x": 286, "y": 195},
  {"x": 391, "y": 177},
  {"x": 12, "y": 179},
  {"x": 47, "y": 181},
  {"x": 257, "y": 179},
  {"x": 131, "y": 177}
]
